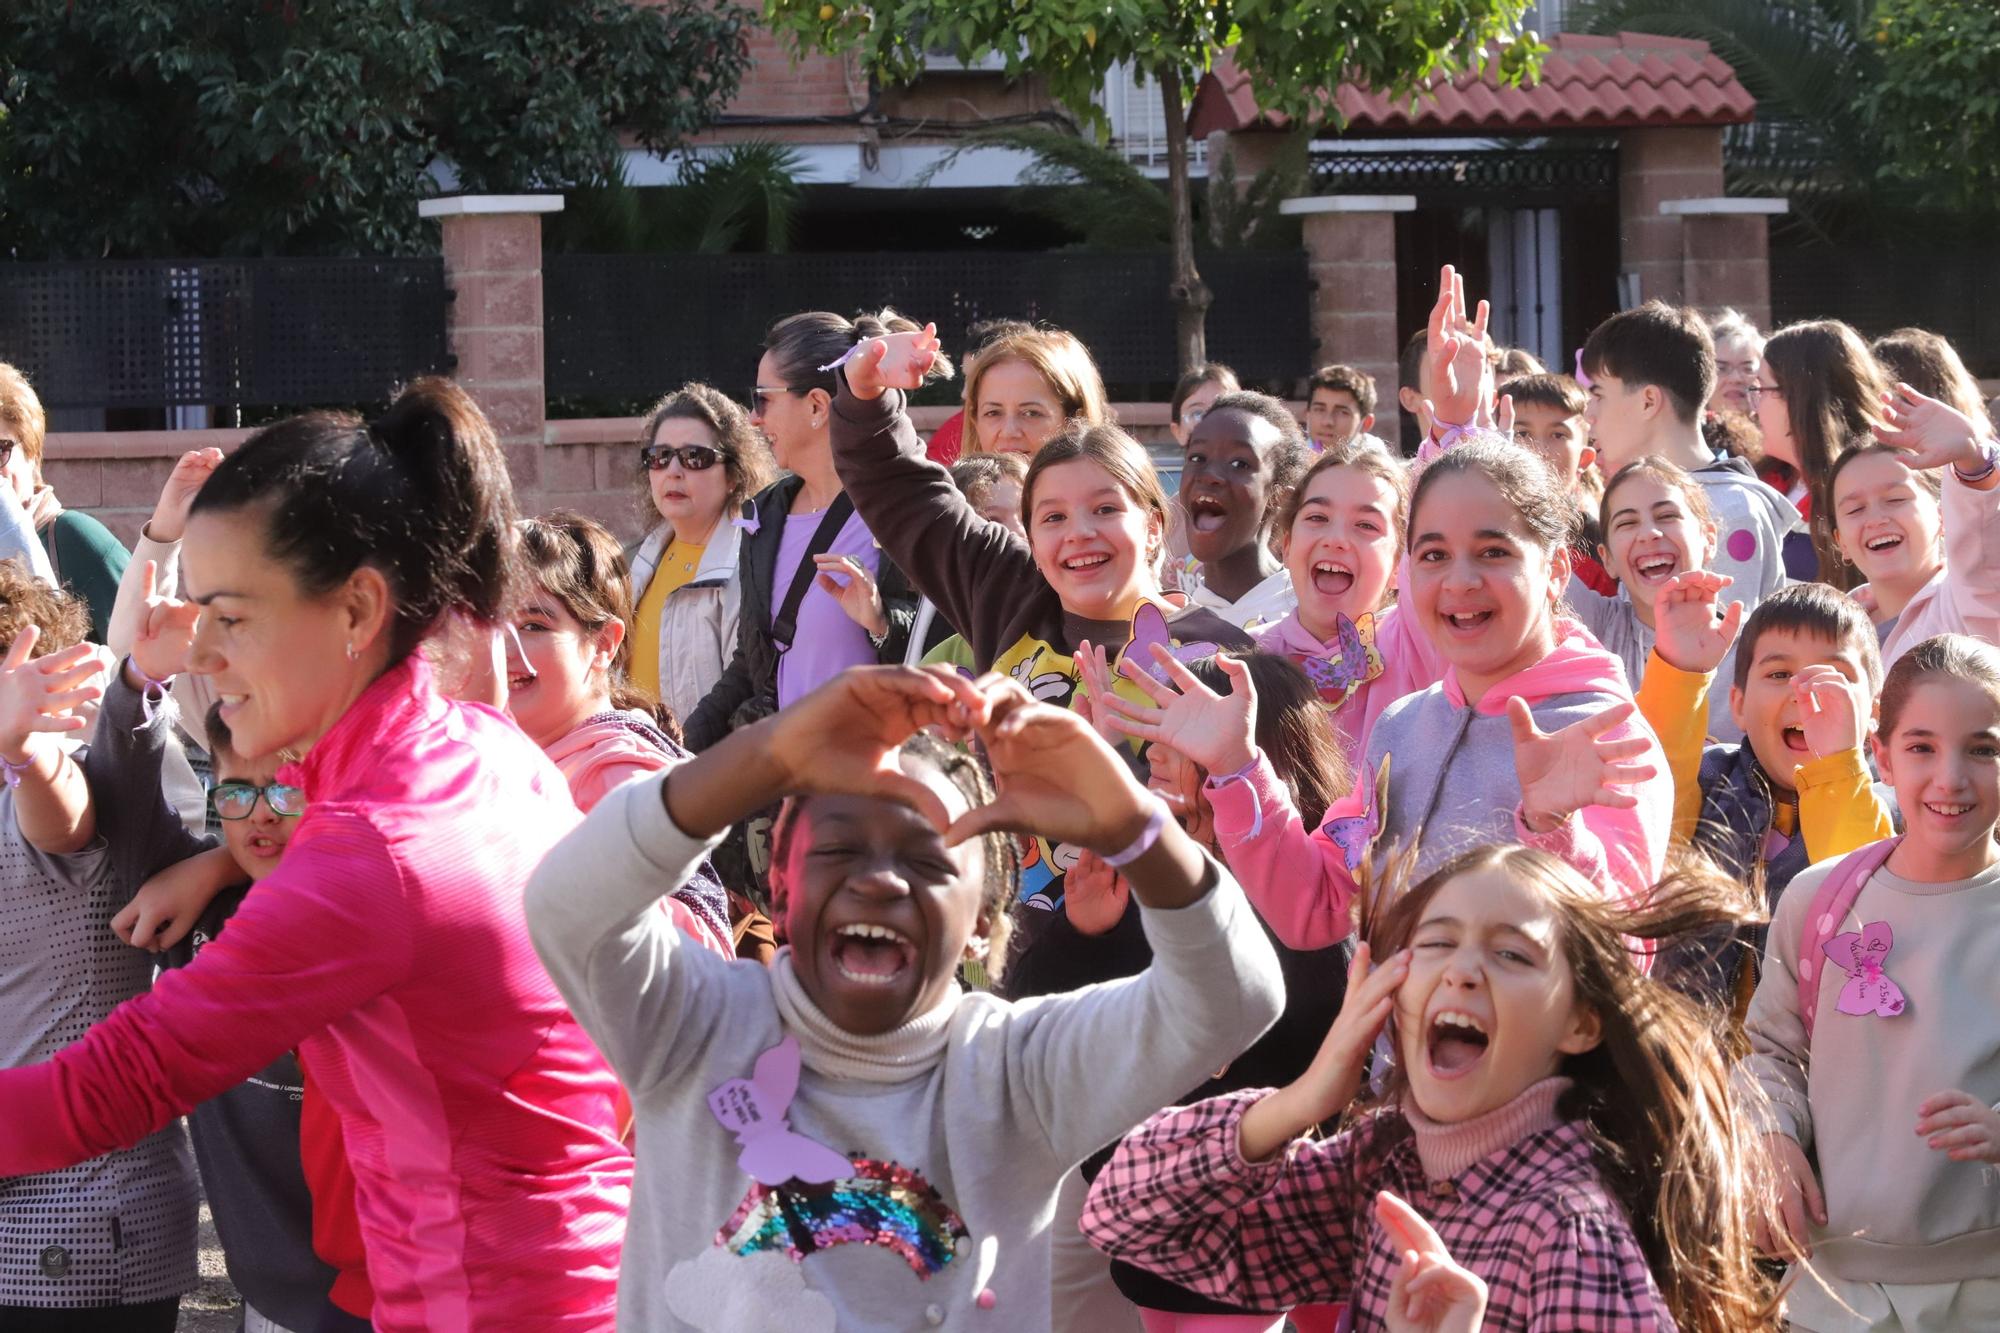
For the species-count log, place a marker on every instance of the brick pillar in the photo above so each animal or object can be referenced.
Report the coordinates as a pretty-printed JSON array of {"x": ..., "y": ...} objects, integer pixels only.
[
  {"x": 493, "y": 267},
  {"x": 1654, "y": 166},
  {"x": 1726, "y": 253},
  {"x": 1248, "y": 151},
  {"x": 1351, "y": 258}
]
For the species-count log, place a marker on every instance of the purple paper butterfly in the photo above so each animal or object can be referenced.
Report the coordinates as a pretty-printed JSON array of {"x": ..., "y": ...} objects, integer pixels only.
[
  {"x": 1337, "y": 678},
  {"x": 1149, "y": 626},
  {"x": 1863, "y": 954},
  {"x": 1355, "y": 834},
  {"x": 753, "y": 1109}
]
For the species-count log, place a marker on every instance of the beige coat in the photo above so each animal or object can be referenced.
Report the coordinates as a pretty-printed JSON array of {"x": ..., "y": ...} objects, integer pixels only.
[{"x": 698, "y": 623}]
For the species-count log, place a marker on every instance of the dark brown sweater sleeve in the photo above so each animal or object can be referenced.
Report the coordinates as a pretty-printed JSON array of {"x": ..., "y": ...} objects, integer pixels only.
[{"x": 981, "y": 576}]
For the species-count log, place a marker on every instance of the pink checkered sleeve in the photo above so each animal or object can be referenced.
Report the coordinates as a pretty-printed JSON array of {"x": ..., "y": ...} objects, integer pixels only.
[
  {"x": 1177, "y": 1199},
  {"x": 1591, "y": 1277}
]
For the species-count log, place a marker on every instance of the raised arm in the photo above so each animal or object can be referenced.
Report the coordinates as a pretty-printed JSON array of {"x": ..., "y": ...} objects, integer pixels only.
[
  {"x": 1213, "y": 986},
  {"x": 1933, "y": 435},
  {"x": 1179, "y": 1199},
  {"x": 977, "y": 572},
  {"x": 38, "y": 696},
  {"x": 326, "y": 932},
  {"x": 1301, "y": 882}
]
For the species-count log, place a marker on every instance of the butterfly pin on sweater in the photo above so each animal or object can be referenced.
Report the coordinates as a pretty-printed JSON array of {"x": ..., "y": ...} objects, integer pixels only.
[
  {"x": 754, "y": 1108},
  {"x": 1149, "y": 626},
  {"x": 1863, "y": 954},
  {"x": 1356, "y": 834},
  {"x": 1339, "y": 675}
]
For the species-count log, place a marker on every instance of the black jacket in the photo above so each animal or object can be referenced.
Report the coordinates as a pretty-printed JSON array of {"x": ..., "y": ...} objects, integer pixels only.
[{"x": 748, "y": 687}]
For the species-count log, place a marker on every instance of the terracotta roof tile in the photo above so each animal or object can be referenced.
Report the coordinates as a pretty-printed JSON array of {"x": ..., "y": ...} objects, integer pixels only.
[{"x": 1628, "y": 81}]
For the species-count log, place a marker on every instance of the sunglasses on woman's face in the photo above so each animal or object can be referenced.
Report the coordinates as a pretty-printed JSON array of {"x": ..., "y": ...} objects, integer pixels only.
[
  {"x": 694, "y": 457},
  {"x": 235, "y": 800}
]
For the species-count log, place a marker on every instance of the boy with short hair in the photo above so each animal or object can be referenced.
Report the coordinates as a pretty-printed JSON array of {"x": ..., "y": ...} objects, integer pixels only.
[
  {"x": 1797, "y": 789},
  {"x": 1649, "y": 372},
  {"x": 1549, "y": 420},
  {"x": 1340, "y": 406}
]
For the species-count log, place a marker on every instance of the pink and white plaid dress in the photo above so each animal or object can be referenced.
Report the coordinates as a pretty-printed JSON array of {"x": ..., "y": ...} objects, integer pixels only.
[{"x": 1533, "y": 1219}]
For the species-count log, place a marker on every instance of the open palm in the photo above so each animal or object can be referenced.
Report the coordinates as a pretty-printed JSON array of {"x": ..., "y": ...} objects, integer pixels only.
[
  {"x": 1930, "y": 433},
  {"x": 1563, "y": 771},
  {"x": 1217, "y": 731},
  {"x": 1686, "y": 633}
]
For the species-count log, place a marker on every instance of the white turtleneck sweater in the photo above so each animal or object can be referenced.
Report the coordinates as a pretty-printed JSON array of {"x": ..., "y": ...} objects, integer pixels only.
[{"x": 959, "y": 1124}]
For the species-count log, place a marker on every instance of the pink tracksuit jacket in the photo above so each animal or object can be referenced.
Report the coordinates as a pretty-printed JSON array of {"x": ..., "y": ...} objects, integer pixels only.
[{"x": 390, "y": 947}]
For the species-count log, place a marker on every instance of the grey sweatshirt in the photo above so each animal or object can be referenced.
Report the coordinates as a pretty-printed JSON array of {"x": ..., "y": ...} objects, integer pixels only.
[
  {"x": 956, "y": 1128},
  {"x": 1897, "y": 1211}
]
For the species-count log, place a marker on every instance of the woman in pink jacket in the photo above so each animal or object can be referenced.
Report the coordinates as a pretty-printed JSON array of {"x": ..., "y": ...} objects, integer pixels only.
[{"x": 389, "y": 945}]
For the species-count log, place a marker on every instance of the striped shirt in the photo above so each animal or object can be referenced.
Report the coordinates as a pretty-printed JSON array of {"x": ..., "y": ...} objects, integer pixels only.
[{"x": 117, "y": 1229}]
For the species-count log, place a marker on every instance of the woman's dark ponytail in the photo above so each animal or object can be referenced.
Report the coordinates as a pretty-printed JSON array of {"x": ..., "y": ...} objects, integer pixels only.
[{"x": 421, "y": 493}]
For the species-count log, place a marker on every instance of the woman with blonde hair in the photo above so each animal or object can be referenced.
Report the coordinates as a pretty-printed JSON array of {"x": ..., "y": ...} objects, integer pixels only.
[{"x": 1026, "y": 387}]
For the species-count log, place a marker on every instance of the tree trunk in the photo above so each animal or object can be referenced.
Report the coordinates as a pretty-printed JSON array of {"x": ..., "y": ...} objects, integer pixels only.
[{"x": 1189, "y": 294}]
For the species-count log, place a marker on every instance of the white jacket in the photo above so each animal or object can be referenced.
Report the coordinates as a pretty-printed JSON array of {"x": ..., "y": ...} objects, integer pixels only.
[
  {"x": 698, "y": 623},
  {"x": 1964, "y": 596}
]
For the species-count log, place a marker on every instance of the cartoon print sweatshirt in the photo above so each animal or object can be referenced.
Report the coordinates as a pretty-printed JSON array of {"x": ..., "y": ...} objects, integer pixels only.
[{"x": 937, "y": 1147}]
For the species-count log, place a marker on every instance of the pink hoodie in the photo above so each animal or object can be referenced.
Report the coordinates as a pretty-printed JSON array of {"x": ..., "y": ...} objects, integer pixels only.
[
  {"x": 390, "y": 947},
  {"x": 1409, "y": 663},
  {"x": 1451, "y": 776},
  {"x": 604, "y": 753}
]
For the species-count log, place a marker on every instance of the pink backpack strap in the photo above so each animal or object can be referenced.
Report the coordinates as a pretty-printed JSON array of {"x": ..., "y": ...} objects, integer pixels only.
[{"x": 1830, "y": 905}]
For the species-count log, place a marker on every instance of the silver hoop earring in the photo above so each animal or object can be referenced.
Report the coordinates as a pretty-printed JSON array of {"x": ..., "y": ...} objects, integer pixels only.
[{"x": 353, "y": 654}]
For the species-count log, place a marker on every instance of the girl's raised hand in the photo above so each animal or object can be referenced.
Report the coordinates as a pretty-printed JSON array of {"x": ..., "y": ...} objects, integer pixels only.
[
  {"x": 1093, "y": 664},
  {"x": 844, "y": 737},
  {"x": 1217, "y": 731},
  {"x": 163, "y": 635},
  {"x": 1456, "y": 370},
  {"x": 1094, "y": 895},
  {"x": 1686, "y": 634},
  {"x": 1930, "y": 432},
  {"x": 896, "y": 361},
  {"x": 1563, "y": 771},
  {"x": 170, "y": 511},
  {"x": 1329, "y": 1085},
  {"x": 1960, "y": 1126},
  {"x": 1055, "y": 776},
  {"x": 858, "y": 596},
  {"x": 1833, "y": 710},
  {"x": 1430, "y": 1293},
  {"x": 39, "y": 695}
]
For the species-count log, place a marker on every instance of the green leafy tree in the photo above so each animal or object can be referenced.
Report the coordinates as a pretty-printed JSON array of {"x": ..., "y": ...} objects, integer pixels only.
[
  {"x": 1934, "y": 110},
  {"x": 244, "y": 127},
  {"x": 1290, "y": 48}
]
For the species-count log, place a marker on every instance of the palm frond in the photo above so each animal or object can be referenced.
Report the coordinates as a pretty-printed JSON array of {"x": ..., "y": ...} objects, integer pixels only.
[{"x": 1079, "y": 184}]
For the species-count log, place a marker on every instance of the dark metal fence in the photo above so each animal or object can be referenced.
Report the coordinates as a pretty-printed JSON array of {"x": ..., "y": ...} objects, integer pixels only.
[
  {"x": 258, "y": 332},
  {"x": 1954, "y": 292},
  {"x": 621, "y": 326}
]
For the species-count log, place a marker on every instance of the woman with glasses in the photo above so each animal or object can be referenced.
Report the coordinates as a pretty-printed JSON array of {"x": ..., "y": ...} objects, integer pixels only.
[
  {"x": 699, "y": 460},
  {"x": 816, "y": 595}
]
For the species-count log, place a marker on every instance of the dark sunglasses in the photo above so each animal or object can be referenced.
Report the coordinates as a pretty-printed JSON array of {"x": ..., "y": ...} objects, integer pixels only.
[
  {"x": 235, "y": 800},
  {"x": 694, "y": 457}
]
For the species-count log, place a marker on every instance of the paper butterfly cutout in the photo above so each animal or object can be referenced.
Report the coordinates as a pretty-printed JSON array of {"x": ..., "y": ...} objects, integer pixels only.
[
  {"x": 1355, "y": 834},
  {"x": 753, "y": 1109},
  {"x": 1338, "y": 677},
  {"x": 1862, "y": 954},
  {"x": 1149, "y": 626}
]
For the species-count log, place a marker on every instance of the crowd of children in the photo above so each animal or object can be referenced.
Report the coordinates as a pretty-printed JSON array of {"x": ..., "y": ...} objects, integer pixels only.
[{"x": 1540, "y": 883}]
